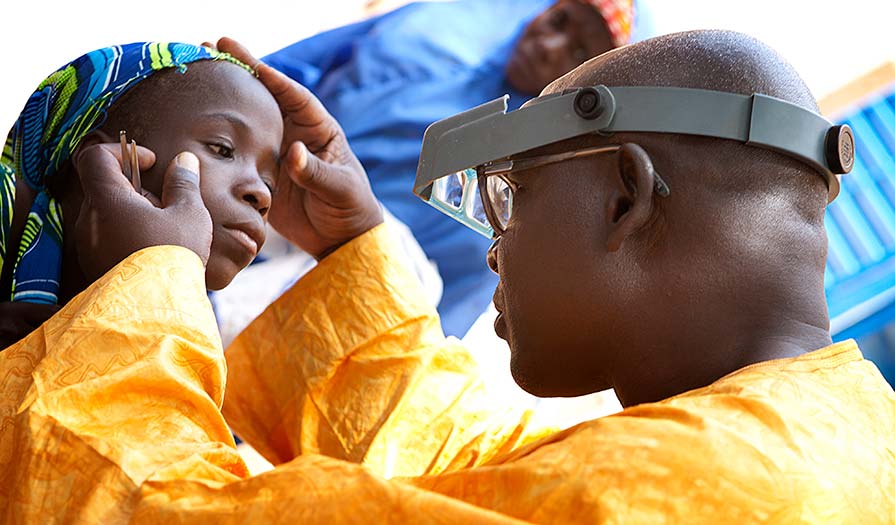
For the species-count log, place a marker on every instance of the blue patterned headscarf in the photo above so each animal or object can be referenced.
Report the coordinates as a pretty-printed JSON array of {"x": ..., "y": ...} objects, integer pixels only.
[{"x": 67, "y": 106}]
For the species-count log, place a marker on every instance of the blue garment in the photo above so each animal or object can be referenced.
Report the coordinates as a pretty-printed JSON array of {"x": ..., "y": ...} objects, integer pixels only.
[{"x": 385, "y": 80}]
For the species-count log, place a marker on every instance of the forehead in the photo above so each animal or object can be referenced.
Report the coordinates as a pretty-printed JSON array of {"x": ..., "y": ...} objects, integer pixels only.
[
  {"x": 210, "y": 86},
  {"x": 581, "y": 13}
]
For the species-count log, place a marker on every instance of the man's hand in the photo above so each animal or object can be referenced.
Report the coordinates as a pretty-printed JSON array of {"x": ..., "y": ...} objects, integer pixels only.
[
  {"x": 20, "y": 319},
  {"x": 323, "y": 198},
  {"x": 116, "y": 221}
]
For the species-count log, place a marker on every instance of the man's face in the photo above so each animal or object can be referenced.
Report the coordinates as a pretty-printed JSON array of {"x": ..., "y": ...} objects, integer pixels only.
[
  {"x": 556, "y": 281},
  {"x": 555, "y": 42},
  {"x": 232, "y": 123}
]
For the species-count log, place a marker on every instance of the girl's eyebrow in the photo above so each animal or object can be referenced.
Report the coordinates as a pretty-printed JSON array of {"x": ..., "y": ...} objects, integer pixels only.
[
  {"x": 230, "y": 117},
  {"x": 237, "y": 122}
]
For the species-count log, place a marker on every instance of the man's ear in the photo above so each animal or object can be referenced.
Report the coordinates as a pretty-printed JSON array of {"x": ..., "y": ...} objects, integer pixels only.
[{"x": 631, "y": 206}]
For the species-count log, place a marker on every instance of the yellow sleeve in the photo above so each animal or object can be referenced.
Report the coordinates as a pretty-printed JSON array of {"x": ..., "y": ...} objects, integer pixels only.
[
  {"x": 351, "y": 363},
  {"x": 110, "y": 414},
  {"x": 85, "y": 396}
]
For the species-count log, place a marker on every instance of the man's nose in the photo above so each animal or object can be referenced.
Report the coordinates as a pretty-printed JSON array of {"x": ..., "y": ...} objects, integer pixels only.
[{"x": 491, "y": 257}]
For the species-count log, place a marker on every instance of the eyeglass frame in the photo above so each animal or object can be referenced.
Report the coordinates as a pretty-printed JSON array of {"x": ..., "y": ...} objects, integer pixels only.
[{"x": 502, "y": 167}]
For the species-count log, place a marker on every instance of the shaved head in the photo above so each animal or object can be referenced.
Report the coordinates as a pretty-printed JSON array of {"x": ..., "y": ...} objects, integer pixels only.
[
  {"x": 716, "y": 60},
  {"x": 721, "y": 61}
]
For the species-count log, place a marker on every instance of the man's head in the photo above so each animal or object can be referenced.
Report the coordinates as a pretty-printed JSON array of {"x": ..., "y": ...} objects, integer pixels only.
[
  {"x": 563, "y": 37},
  {"x": 604, "y": 283},
  {"x": 225, "y": 116}
]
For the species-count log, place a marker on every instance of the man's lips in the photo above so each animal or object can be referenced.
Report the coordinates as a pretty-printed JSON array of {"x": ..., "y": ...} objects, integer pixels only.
[{"x": 500, "y": 324}]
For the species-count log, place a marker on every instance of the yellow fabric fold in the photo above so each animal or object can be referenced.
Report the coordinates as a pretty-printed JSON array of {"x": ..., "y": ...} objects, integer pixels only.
[
  {"x": 111, "y": 414},
  {"x": 351, "y": 363},
  {"x": 87, "y": 396},
  {"x": 802, "y": 440}
]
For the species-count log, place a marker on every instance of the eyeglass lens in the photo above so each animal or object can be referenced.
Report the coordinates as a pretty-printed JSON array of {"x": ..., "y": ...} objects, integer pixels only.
[
  {"x": 449, "y": 189},
  {"x": 500, "y": 196},
  {"x": 460, "y": 192}
]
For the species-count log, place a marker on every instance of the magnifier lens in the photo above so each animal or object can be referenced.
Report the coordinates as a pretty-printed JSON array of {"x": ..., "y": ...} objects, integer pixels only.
[
  {"x": 449, "y": 189},
  {"x": 475, "y": 210},
  {"x": 501, "y": 197}
]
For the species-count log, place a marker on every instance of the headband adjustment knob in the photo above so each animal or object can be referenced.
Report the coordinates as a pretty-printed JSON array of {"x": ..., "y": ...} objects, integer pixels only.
[
  {"x": 587, "y": 103},
  {"x": 839, "y": 149}
]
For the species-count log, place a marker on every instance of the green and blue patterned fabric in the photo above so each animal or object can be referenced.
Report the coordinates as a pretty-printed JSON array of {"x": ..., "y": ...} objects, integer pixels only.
[{"x": 66, "y": 107}]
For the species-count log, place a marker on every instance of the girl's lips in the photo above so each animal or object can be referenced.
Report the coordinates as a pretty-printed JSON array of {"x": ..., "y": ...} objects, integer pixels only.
[{"x": 246, "y": 240}]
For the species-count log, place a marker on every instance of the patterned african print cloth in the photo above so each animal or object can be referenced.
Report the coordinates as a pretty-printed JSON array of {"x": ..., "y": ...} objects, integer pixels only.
[
  {"x": 66, "y": 107},
  {"x": 619, "y": 17}
]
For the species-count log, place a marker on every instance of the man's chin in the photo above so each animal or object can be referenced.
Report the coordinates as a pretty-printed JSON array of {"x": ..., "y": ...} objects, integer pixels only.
[{"x": 540, "y": 380}]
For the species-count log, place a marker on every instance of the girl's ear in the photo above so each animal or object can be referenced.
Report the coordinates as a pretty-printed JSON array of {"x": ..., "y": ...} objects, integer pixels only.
[{"x": 96, "y": 136}]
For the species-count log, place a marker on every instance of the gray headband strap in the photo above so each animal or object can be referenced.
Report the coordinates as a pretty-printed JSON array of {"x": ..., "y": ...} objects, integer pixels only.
[{"x": 488, "y": 132}]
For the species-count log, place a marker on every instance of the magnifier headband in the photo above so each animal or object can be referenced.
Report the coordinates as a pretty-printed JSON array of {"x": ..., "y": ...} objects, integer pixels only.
[{"x": 487, "y": 133}]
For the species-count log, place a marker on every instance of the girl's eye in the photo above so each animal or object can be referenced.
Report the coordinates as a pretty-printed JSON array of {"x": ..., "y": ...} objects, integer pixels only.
[{"x": 221, "y": 150}]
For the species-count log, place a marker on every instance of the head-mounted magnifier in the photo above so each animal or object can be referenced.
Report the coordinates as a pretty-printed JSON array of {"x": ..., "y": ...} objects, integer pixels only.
[{"x": 457, "y": 149}]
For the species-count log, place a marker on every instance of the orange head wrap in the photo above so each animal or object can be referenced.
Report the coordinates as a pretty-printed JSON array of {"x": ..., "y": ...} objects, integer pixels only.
[{"x": 619, "y": 17}]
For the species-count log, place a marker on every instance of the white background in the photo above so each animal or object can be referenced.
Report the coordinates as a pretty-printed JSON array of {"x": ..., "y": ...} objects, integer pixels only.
[{"x": 829, "y": 42}]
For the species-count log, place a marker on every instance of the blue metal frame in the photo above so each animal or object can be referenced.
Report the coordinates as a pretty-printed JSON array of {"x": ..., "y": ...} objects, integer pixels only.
[{"x": 860, "y": 276}]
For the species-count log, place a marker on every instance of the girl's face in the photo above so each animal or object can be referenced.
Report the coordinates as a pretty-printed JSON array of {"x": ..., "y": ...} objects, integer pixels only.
[{"x": 232, "y": 123}]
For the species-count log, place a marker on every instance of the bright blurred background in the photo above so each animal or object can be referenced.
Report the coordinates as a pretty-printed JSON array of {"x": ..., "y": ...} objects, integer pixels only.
[{"x": 829, "y": 42}]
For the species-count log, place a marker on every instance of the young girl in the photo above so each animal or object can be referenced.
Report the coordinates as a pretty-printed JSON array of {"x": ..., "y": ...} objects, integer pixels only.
[{"x": 170, "y": 98}]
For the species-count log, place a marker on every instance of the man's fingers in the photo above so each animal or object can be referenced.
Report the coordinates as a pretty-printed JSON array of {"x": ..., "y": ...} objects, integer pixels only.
[
  {"x": 299, "y": 106},
  {"x": 151, "y": 198},
  {"x": 181, "y": 185},
  {"x": 295, "y": 99},
  {"x": 238, "y": 51},
  {"x": 145, "y": 157},
  {"x": 99, "y": 169},
  {"x": 314, "y": 175}
]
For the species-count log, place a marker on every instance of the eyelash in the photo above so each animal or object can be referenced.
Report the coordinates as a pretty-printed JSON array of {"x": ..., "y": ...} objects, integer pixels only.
[
  {"x": 226, "y": 152},
  {"x": 221, "y": 150}
]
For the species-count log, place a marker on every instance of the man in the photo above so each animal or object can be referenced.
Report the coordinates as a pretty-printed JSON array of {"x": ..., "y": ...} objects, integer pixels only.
[
  {"x": 387, "y": 78},
  {"x": 696, "y": 293}
]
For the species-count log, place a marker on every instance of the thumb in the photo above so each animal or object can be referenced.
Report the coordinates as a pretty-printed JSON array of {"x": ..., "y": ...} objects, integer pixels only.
[
  {"x": 314, "y": 175},
  {"x": 181, "y": 185}
]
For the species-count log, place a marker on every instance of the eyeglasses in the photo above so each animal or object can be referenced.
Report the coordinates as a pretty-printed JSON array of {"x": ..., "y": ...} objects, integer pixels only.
[{"x": 482, "y": 197}]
